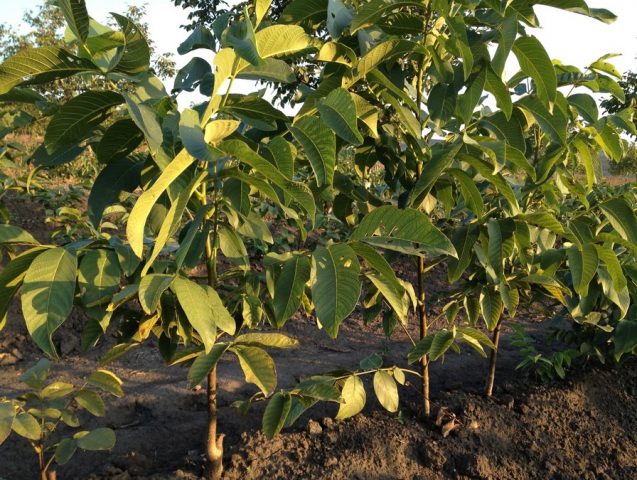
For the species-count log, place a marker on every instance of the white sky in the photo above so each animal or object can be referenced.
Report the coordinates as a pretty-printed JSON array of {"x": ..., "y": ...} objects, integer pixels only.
[{"x": 571, "y": 38}]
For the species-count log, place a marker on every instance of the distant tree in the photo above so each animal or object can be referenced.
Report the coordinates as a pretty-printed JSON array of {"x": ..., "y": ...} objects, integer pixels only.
[{"x": 629, "y": 84}]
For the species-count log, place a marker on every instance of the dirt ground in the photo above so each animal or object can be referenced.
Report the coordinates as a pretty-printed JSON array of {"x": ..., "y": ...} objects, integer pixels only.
[{"x": 583, "y": 428}]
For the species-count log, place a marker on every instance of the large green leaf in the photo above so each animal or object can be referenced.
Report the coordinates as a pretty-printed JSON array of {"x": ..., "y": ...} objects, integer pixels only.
[
  {"x": 120, "y": 139},
  {"x": 289, "y": 288},
  {"x": 200, "y": 37},
  {"x": 319, "y": 143},
  {"x": 141, "y": 211},
  {"x": 338, "y": 111},
  {"x": 107, "y": 382},
  {"x": 276, "y": 413},
  {"x": 554, "y": 124},
  {"x": 583, "y": 265},
  {"x": 386, "y": 390},
  {"x": 336, "y": 286},
  {"x": 76, "y": 17},
  {"x": 254, "y": 111},
  {"x": 122, "y": 175},
  {"x": 95, "y": 440},
  {"x": 442, "y": 156},
  {"x": 26, "y": 425},
  {"x": 622, "y": 217},
  {"x": 396, "y": 296},
  {"x": 7, "y": 415},
  {"x": 40, "y": 65},
  {"x": 77, "y": 118},
  {"x": 535, "y": 62},
  {"x": 98, "y": 276},
  {"x": 47, "y": 295},
  {"x": 220, "y": 315},
  {"x": 258, "y": 367},
  {"x": 11, "y": 278},
  {"x": 305, "y": 11},
  {"x": 404, "y": 230},
  {"x": 491, "y": 307},
  {"x": 134, "y": 56},
  {"x": 353, "y": 398},
  {"x": 369, "y": 13},
  {"x": 585, "y": 105},
  {"x": 195, "y": 303},
  {"x": 204, "y": 364},
  {"x": 151, "y": 288},
  {"x": 464, "y": 238},
  {"x": 240, "y": 36},
  {"x": 12, "y": 235}
]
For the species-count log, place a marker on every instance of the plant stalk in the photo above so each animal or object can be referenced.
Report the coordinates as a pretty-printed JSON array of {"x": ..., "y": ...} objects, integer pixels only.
[
  {"x": 493, "y": 360},
  {"x": 214, "y": 450},
  {"x": 424, "y": 327}
]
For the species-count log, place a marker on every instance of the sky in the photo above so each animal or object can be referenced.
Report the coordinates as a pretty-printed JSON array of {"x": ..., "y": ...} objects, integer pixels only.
[{"x": 571, "y": 38}]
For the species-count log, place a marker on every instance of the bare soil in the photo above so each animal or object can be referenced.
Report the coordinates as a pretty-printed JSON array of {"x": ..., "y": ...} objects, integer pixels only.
[{"x": 583, "y": 428}]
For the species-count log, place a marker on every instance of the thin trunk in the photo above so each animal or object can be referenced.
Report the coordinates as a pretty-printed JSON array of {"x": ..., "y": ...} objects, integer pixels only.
[
  {"x": 52, "y": 475},
  {"x": 422, "y": 317},
  {"x": 214, "y": 449},
  {"x": 494, "y": 356}
]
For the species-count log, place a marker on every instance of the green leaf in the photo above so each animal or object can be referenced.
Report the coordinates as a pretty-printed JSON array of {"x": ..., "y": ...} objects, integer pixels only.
[
  {"x": 139, "y": 215},
  {"x": 204, "y": 364},
  {"x": 319, "y": 143},
  {"x": 95, "y": 440},
  {"x": 200, "y": 37},
  {"x": 554, "y": 124},
  {"x": 586, "y": 106},
  {"x": 491, "y": 307},
  {"x": 266, "y": 340},
  {"x": 65, "y": 451},
  {"x": 338, "y": 111},
  {"x": 258, "y": 367},
  {"x": 508, "y": 31},
  {"x": 7, "y": 415},
  {"x": 151, "y": 288},
  {"x": 622, "y": 218},
  {"x": 499, "y": 90},
  {"x": 146, "y": 120},
  {"x": 469, "y": 191},
  {"x": 195, "y": 303},
  {"x": 610, "y": 141},
  {"x": 276, "y": 413},
  {"x": 271, "y": 70},
  {"x": 440, "y": 343},
  {"x": 339, "y": 17},
  {"x": 369, "y": 13},
  {"x": 134, "y": 57},
  {"x": 441, "y": 103},
  {"x": 76, "y": 17},
  {"x": 120, "y": 139},
  {"x": 26, "y": 426},
  {"x": 353, "y": 398},
  {"x": 282, "y": 40},
  {"x": 40, "y": 65},
  {"x": 65, "y": 154},
  {"x": 12, "y": 235},
  {"x": 335, "y": 287},
  {"x": 472, "y": 95},
  {"x": 463, "y": 239},
  {"x": 220, "y": 315},
  {"x": 396, "y": 297},
  {"x": 240, "y": 36},
  {"x": 91, "y": 402},
  {"x": 123, "y": 175},
  {"x": 106, "y": 381},
  {"x": 583, "y": 265},
  {"x": 78, "y": 117},
  {"x": 56, "y": 390},
  {"x": 535, "y": 62},
  {"x": 442, "y": 156},
  {"x": 403, "y": 230},
  {"x": 254, "y": 111},
  {"x": 289, "y": 287},
  {"x": 305, "y": 11},
  {"x": 386, "y": 390},
  {"x": 98, "y": 276},
  {"x": 47, "y": 295},
  {"x": 173, "y": 217},
  {"x": 624, "y": 338}
]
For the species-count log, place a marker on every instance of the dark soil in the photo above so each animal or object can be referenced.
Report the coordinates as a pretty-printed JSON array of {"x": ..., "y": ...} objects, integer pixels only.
[{"x": 584, "y": 428}]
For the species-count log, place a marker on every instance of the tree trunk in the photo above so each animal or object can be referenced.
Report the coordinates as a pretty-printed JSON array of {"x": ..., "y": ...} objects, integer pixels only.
[
  {"x": 494, "y": 356},
  {"x": 214, "y": 450},
  {"x": 52, "y": 475},
  {"x": 422, "y": 317}
]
